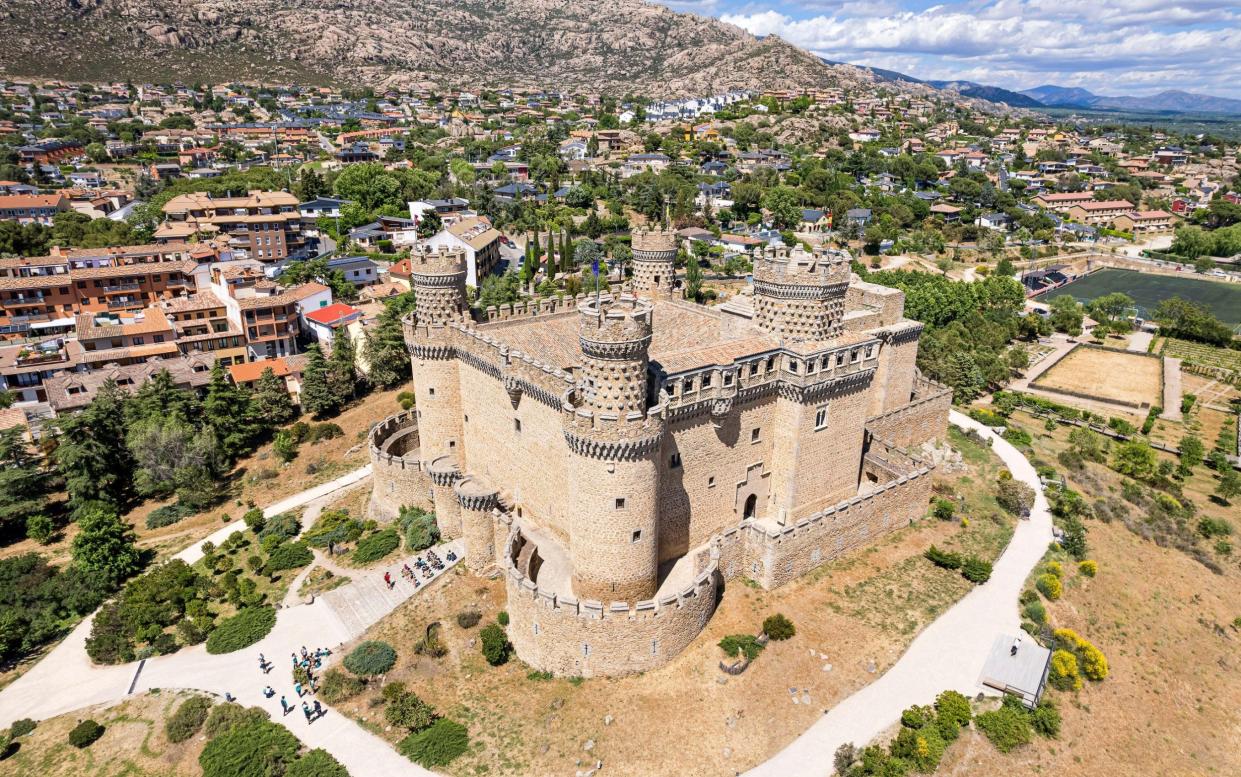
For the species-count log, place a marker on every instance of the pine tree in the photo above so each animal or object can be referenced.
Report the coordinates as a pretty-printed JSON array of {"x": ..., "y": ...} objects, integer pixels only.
[
  {"x": 104, "y": 546},
  {"x": 317, "y": 398},
  {"x": 385, "y": 349},
  {"x": 160, "y": 398},
  {"x": 342, "y": 369},
  {"x": 23, "y": 481},
  {"x": 91, "y": 453},
  {"x": 270, "y": 404},
  {"x": 226, "y": 410}
]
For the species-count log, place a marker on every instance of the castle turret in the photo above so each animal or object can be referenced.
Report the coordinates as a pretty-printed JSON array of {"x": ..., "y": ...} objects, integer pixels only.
[
  {"x": 800, "y": 295},
  {"x": 654, "y": 261},
  {"x": 615, "y": 439},
  {"x": 438, "y": 278}
]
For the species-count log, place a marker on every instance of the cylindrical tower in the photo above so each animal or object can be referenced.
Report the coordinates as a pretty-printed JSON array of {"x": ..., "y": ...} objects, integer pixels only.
[
  {"x": 477, "y": 500},
  {"x": 614, "y": 439},
  {"x": 800, "y": 295},
  {"x": 444, "y": 475},
  {"x": 438, "y": 278},
  {"x": 654, "y": 261}
]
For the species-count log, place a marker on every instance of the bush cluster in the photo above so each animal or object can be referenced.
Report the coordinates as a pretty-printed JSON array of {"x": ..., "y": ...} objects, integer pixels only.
[
  {"x": 85, "y": 733},
  {"x": 778, "y": 627},
  {"x": 339, "y": 686},
  {"x": 226, "y": 716},
  {"x": 188, "y": 719},
  {"x": 249, "y": 748},
  {"x": 419, "y": 528},
  {"x": 1089, "y": 568},
  {"x": 494, "y": 644},
  {"x": 168, "y": 515},
  {"x": 1049, "y": 585},
  {"x": 38, "y": 602},
  {"x": 335, "y": 527},
  {"x": 288, "y": 555},
  {"x": 242, "y": 630},
  {"x": 405, "y": 709},
  {"x": 976, "y": 570},
  {"x": 285, "y": 526},
  {"x": 437, "y": 745},
  {"x": 316, "y": 763},
  {"x": 1063, "y": 674},
  {"x": 1092, "y": 661},
  {"x": 1014, "y": 496},
  {"x": 943, "y": 558},
  {"x": 468, "y": 619},
  {"x": 376, "y": 546},
  {"x": 311, "y": 433},
  {"x": 741, "y": 645},
  {"x": 371, "y": 658},
  {"x": 1012, "y": 725}
]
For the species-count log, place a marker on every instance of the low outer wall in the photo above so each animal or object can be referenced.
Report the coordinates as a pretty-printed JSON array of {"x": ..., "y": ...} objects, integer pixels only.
[
  {"x": 400, "y": 479},
  {"x": 923, "y": 419},
  {"x": 586, "y": 639}
]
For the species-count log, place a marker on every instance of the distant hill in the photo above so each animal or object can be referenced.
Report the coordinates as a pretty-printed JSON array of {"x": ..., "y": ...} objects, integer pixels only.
[
  {"x": 993, "y": 94},
  {"x": 1172, "y": 100},
  {"x": 886, "y": 75}
]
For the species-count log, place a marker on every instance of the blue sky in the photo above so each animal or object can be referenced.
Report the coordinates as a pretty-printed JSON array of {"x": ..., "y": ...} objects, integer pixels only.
[{"x": 1106, "y": 46}]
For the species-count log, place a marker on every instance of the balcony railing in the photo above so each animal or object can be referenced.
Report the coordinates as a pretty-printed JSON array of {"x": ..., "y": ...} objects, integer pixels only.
[
  {"x": 125, "y": 303},
  {"x": 25, "y": 299},
  {"x": 29, "y": 318},
  {"x": 122, "y": 287}
]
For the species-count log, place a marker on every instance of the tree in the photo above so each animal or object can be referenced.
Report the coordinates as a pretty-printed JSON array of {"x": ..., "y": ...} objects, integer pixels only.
[
  {"x": 105, "y": 546},
  {"x": 1066, "y": 315},
  {"x": 23, "y": 482},
  {"x": 160, "y": 399},
  {"x": 91, "y": 453},
  {"x": 429, "y": 224},
  {"x": 1229, "y": 486},
  {"x": 227, "y": 411},
  {"x": 317, "y": 396},
  {"x": 1135, "y": 459},
  {"x": 270, "y": 404},
  {"x": 385, "y": 349},
  {"x": 342, "y": 369},
  {"x": 370, "y": 186},
  {"x": 1192, "y": 452},
  {"x": 310, "y": 185},
  {"x": 284, "y": 446},
  {"x": 693, "y": 280},
  {"x": 172, "y": 456}
]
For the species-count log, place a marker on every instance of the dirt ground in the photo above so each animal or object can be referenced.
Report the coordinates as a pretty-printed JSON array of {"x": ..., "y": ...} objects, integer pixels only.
[
  {"x": 1116, "y": 375},
  {"x": 133, "y": 744},
  {"x": 854, "y": 618}
]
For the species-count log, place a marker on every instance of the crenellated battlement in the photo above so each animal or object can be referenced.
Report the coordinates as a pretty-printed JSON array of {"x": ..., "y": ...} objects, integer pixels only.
[
  {"x": 399, "y": 472},
  {"x": 649, "y": 243},
  {"x": 428, "y": 263}
]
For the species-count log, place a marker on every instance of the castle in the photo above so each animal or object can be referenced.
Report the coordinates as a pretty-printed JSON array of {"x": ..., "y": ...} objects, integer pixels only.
[{"x": 620, "y": 457}]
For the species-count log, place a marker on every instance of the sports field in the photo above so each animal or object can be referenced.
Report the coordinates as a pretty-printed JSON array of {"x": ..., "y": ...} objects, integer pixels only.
[
  {"x": 1132, "y": 379},
  {"x": 1148, "y": 290}
]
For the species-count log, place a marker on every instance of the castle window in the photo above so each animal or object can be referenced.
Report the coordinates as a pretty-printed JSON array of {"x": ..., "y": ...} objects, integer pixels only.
[
  {"x": 675, "y": 461},
  {"x": 753, "y": 368},
  {"x": 728, "y": 379},
  {"x": 689, "y": 384},
  {"x": 585, "y": 649},
  {"x": 856, "y": 354},
  {"x": 517, "y": 425},
  {"x": 771, "y": 363},
  {"x": 452, "y": 444},
  {"x": 820, "y": 418},
  {"x": 431, "y": 391},
  {"x": 754, "y": 435},
  {"x": 637, "y": 536},
  {"x": 467, "y": 419},
  {"x": 654, "y": 647},
  {"x": 870, "y": 349},
  {"x": 536, "y": 629},
  {"x": 840, "y": 359},
  {"x": 711, "y": 482},
  {"x": 794, "y": 366},
  {"x": 620, "y": 503}
]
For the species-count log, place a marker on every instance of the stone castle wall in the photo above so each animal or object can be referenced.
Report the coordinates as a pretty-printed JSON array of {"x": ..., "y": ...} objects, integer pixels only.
[
  {"x": 923, "y": 419},
  {"x": 573, "y": 638},
  {"x": 400, "y": 477}
]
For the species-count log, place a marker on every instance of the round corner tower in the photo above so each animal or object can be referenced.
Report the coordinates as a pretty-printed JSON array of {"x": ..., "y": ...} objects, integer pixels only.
[
  {"x": 613, "y": 469},
  {"x": 654, "y": 260},
  {"x": 438, "y": 280},
  {"x": 800, "y": 295}
]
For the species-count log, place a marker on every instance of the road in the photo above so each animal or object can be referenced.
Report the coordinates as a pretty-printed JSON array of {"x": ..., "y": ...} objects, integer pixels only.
[{"x": 948, "y": 654}]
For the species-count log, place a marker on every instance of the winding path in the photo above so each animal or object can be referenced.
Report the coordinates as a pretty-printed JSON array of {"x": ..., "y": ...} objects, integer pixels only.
[{"x": 948, "y": 654}]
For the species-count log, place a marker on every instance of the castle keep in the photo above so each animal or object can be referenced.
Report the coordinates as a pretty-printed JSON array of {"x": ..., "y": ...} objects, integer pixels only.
[{"x": 620, "y": 458}]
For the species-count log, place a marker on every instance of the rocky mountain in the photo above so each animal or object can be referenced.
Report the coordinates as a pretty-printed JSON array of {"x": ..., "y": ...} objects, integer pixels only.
[
  {"x": 621, "y": 46},
  {"x": 1170, "y": 101},
  {"x": 993, "y": 94}
]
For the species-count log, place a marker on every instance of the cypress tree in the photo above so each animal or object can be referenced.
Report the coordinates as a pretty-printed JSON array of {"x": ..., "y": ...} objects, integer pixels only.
[
  {"x": 271, "y": 404},
  {"x": 226, "y": 410},
  {"x": 317, "y": 397},
  {"x": 342, "y": 369}
]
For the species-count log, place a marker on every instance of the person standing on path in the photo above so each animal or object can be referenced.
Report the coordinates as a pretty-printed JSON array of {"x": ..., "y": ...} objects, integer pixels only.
[
  {"x": 298, "y": 687},
  {"x": 306, "y": 712},
  {"x": 319, "y": 711},
  {"x": 284, "y": 705}
]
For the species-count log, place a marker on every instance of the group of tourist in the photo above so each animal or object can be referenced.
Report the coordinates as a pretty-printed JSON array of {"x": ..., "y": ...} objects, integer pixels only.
[
  {"x": 429, "y": 567},
  {"x": 305, "y": 682}
]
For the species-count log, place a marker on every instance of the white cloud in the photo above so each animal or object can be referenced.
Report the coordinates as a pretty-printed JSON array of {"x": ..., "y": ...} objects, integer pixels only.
[{"x": 1111, "y": 47}]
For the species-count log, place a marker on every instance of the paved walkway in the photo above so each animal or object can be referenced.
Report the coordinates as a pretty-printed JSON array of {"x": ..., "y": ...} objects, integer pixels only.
[
  {"x": 1060, "y": 348},
  {"x": 1172, "y": 389},
  {"x": 948, "y": 654},
  {"x": 1140, "y": 342}
]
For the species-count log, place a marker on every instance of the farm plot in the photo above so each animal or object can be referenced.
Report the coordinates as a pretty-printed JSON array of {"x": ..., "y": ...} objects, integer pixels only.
[{"x": 1124, "y": 378}]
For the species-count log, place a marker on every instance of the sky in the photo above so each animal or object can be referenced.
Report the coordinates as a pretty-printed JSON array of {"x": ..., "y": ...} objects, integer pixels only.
[{"x": 1111, "y": 47}]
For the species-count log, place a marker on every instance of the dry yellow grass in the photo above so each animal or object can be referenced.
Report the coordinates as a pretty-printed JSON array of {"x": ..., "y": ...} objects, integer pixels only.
[{"x": 1110, "y": 375}]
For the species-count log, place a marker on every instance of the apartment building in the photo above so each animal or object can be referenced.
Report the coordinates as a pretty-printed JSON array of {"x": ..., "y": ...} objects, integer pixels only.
[
  {"x": 32, "y": 208},
  {"x": 125, "y": 338},
  {"x": 481, "y": 243},
  {"x": 1060, "y": 202},
  {"x": 68, "y": 392},
  {"x": 25, "y": 369},
  {"x": 1100, "y": 212},
  {"x": 266, "y": 226},
  {"x": 43, "y": 294},
  {"x": 1144, "y": 221},
  {"x": 268, "y": 316},
  {"x": 201, "y": 323}
]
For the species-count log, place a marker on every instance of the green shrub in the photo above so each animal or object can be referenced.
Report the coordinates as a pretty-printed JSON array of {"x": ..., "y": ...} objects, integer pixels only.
[
  {"x": 316, "y": 763},
  {"x": 333, "y": 526},
  {"x": 242, "y": 630},
  {"x": 286, "y": 526},
  {"x": 468, "y": 619},
  {"x": 1049, "y": 585},
  {"x": 188, "y": 719},
  {"x": 1036, "y": 612},
  {"x": 976, "y": 570},
  {"x": 1018, "y": 437},
  {"x": 253, "y": 749},
  {"x": 1014, "y": 496},
  {"x": 419, "y": 528},
  {"x": 409, "y": 711},
  {"x": 254, "y": 519},
  {"x": 923, "y": 747},
  {"x": 22, "y": 727},
  {"x": 952, "y": 713},
  {"x": 1063, "y": 674},
  {"x": 741, "y": 644},
  {"x": 225, "y": 716},
  {"x": 376, "y": 546},
  {"x": 1045, "y": 719},
  {"x": 168, "y": 515},
  {"x": 539, "y": 676},
  {"x": 338, "y": 686},
  {"x": 85, "y": 733},
  {"x": 778, "y": 627},
  {"x": 40, "y": 529},
  {"x": 289, "y": 555},
  {"x": 502, "y": 618},
  {"x": 494, "y": 644},
  {"x": 1006, "y": 727},
  {"x": 1214, "y": 527},
  {"x": 1187, "y": 402},
  {"x": 916, "y": 716},
  {"x": 944, "y": 509},
  {"x": 371, "y": 658},
  {"x": 943, "y": 558},
  {"x": 437, "y": 745},
  {"x": 325, "y": 431},
  {"x": 1088, "y": 568}
]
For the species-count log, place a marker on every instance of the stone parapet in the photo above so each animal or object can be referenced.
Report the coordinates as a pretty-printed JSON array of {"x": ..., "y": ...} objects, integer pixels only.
[
  {"x": 570, "y": 637},
  {"x": 925, "y": 418},
  {"x": 400, "y": 477}
]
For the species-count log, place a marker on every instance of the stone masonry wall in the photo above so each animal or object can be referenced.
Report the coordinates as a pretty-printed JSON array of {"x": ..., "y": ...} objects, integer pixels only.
[
  {"x": 923, "y": 419},
  {"x": 587, "y": 639},
  {"x": 400, "y": 478}
]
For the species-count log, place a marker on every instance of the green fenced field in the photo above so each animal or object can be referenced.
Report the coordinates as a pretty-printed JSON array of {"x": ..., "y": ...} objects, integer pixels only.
[{"x": 1148, "y": 290}]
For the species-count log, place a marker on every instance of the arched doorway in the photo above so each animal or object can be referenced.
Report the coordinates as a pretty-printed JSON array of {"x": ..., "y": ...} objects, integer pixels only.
[{"x": 751, "y": 504}]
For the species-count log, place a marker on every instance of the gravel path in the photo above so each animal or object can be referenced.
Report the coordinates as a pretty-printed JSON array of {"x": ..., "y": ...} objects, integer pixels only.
[{"x": 948, "y": 654}]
